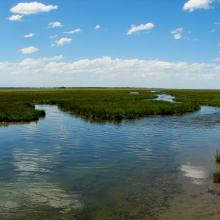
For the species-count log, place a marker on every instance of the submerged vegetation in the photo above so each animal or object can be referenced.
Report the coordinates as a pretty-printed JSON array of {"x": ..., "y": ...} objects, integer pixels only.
[
  {"x": 216, "y": 175},
  {"x": 17, "y": 105}
]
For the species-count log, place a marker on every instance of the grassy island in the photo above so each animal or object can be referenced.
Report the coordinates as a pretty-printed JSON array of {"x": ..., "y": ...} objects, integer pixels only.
[{"x": 17, "y": 105}]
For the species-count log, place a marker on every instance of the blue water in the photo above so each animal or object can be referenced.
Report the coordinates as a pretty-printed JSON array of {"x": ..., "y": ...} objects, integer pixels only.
[{"x": 63, "y": 167}]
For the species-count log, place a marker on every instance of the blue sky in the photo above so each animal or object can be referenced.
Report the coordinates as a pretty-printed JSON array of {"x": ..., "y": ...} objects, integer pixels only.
[{"x": 167, "y": 32}]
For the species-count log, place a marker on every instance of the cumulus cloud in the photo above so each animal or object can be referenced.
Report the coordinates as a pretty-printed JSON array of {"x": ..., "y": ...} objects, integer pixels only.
[
  {"x": 141, "y": 27},
  {"x": 107, "y": 71},
  {"x": 97, "y": 27},
  {"x": 177, "y": 33},
  {"x": 55, "y": 24},
  {"x": 29, "y": 50},
  {"x": 74, "y": 31},
  {"x": 63, "y": 41},
  {"x": 192, "y": 5},
  {"x": 29, "y": 35},
  {"x": 15, "y": 18},
  {"x": 28, "y": 8}
]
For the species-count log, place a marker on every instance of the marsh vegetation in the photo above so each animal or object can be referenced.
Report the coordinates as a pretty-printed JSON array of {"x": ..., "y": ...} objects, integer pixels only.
[{"x": 100, "y": 104}]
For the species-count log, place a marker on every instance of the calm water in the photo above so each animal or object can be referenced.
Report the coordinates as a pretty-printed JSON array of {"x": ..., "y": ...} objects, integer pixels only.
[
  {"x": 153, "y": 168},
  {"x": 165, "y": 97}
]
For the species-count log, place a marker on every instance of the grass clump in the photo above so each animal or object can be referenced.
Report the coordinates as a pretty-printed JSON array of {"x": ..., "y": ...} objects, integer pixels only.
[
  {"x": 216, "y": 177},
  {"x": 19, "y": 112},
  {"x": 217, "y": 157},
  {"x": 124, "y": 109}
]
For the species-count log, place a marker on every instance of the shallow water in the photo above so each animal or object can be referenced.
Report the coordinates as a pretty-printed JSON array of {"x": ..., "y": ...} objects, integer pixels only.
[
  {"x": 152, "y": 168},
  {"x": 165, "y": 98}
]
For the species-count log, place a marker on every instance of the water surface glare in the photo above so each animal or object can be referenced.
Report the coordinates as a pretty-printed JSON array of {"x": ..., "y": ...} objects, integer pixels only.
[
  {"x": 165, "y": 98},
  {"x": 63, "y": 167}
]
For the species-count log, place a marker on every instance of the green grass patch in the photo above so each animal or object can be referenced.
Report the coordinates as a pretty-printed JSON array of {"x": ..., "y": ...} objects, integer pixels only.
[{"x": 19, "y": 112}]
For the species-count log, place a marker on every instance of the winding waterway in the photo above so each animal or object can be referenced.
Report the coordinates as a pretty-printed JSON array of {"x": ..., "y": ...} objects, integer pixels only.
[{"x": 63, "y": 167}]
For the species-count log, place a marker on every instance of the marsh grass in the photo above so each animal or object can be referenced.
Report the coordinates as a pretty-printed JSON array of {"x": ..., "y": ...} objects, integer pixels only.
[
  {"x": 201, "y": 97},
  {"x": 19, "y": 112},
  {"x": 17, "y": 105}
]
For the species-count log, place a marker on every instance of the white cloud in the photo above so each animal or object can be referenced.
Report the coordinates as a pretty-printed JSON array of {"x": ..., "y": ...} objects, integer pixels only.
[
  {"x": 177, "y": 33},
  {"x": 192, "y": 5},
  {"x": 74, "y": 31},
  {"x": 15, "y": 18},
  {"x": 29, "y": 50},
  {"x": 29, "y": 35},
  {"x": 107, "y": 71},
  {"x": 97, "y": 27},
  {"x": 63, "y": 41},
  {"x": 140, "y": 27},
  {"x": 55, "y": 58},
  {"x": 28, "y": 8},
  {"x": 55, "y": 24}
]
